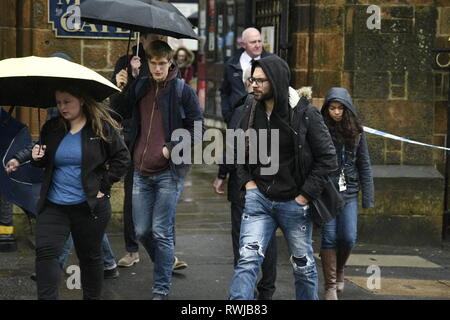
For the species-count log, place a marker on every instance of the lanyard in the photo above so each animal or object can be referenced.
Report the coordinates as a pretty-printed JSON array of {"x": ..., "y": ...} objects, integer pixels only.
[{"x": 342, "y": 183}]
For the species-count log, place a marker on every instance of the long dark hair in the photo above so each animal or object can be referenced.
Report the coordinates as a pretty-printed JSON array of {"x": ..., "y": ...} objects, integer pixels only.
[{"x": 347, "y": 130}]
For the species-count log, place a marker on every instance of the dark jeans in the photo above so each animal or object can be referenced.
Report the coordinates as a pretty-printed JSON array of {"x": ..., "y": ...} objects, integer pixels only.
[
  {"x": 53, "y": 226},
  {"x": 6, "y": 212},
  {"x": 266, "y": 285},
  {"x": 131, "y": 243}
]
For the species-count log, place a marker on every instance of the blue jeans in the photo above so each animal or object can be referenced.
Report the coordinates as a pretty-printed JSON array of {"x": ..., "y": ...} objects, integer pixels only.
[
  {"x": 260, "y": 219},
  {"x": 154, "y": 206},
  {"x": 341, "y": 231},
  {"x": 109, "y": 260}
]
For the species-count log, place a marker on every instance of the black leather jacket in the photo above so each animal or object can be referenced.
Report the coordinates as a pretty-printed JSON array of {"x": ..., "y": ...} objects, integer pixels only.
[{"x": 103, "y": 163}]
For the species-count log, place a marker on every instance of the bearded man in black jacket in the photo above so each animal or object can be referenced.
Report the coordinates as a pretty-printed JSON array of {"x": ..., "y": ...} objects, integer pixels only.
[{"x": 281, "y": 198}]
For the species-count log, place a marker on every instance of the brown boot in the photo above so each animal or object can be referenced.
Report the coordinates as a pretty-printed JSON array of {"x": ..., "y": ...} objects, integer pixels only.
[
  {"x": 342, "y": 257},
  {"x": 328, "y": 257}
]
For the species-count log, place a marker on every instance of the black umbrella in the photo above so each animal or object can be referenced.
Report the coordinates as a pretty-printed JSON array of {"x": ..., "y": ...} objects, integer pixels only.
[
  {"x": 23, "y": 186},
  {"x": 193, "y": 18},
  {"x": 138, "y": 15},
  {"x": 163, "y": 5}
]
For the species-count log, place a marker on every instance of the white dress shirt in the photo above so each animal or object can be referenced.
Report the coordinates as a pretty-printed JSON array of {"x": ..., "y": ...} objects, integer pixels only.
[{"x": 245, "y": 62}]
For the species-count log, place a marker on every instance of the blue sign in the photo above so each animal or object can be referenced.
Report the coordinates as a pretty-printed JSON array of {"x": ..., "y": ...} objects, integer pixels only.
[{"x": 64, "y": 15}]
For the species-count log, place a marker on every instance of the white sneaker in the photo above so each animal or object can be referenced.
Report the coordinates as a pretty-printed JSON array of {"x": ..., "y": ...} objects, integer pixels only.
[{"x": 178, "y": 264}]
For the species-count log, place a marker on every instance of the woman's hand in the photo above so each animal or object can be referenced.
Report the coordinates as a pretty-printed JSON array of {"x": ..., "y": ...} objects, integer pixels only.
[
  {"x": 100, "y": 195},
  {"x": 38, "y": 152},
  {"x": 12, "y": 166}
]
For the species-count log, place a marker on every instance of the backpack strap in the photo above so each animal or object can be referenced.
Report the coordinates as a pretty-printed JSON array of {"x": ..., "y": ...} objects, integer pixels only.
[
  {"x": 139, "y": 84},
  {"x": 179, "y": 89}
]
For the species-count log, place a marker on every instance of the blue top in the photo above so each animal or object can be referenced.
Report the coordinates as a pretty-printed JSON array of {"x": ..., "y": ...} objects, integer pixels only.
[{"x": 66, "y": 187}]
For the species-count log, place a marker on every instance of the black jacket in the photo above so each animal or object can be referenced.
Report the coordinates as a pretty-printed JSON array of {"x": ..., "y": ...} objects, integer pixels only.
[
  {"x": 232, "y": 89},
  {"x": 123, "y": 63},
  {"x": 356, "y": 162},
  {"x": 103, "y": 163},
  {"x": 233, "y": 194},
  {"x": 314, "y": 152}
]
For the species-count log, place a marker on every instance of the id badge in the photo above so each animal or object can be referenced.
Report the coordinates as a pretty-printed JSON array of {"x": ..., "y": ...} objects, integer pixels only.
[{"x": 342, "y": 184}]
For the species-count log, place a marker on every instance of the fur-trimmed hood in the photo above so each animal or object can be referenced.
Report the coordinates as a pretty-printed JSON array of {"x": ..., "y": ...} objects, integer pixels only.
[
  {"x": 189, "y": 57},
  {"x": 295, "y": 95}
]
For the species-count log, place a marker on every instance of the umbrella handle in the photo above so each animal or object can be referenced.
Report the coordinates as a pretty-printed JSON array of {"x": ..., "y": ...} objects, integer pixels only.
[
  {"x": 128, "y": 49},
  {"x": 137, "y": 44},
  {"x": 39, "y": 127}
]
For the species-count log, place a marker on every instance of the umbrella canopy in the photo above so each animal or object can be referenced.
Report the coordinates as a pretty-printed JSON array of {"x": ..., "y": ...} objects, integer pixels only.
[
  {"x": 31, "y": 81},
  {"x": 163, "y": 5},
  {"x": 23, "y": 186},
  {"x": 138, "y": 15}
]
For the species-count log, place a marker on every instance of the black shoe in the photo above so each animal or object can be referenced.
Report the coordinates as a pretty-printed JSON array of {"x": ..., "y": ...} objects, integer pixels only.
[
  {"x": 33, "y": 276},
  {"x": 262, "y": 296},
  {"x": 111, "y": 274},
  {"x": 159, "y": 296},
  {"x": 7, "y": 243}
]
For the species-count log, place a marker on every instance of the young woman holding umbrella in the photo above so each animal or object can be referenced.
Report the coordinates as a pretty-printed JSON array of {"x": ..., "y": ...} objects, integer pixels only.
[{"x": 83, "y": 155}]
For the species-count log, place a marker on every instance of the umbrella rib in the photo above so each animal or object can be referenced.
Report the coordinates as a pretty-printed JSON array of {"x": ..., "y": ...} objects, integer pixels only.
[{"x": 4, "y": 165}]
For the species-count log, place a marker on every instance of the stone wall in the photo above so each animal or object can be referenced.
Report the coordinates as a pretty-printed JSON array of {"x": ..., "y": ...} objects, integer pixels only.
[{"x": 389, "y": 73}]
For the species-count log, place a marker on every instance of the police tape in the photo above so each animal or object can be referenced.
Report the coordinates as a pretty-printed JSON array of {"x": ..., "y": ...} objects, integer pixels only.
[{"x": 391, "y": 136}]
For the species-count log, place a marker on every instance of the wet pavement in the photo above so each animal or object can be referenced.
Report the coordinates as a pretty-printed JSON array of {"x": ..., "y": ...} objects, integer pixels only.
[{"x": 203, "y": 240}]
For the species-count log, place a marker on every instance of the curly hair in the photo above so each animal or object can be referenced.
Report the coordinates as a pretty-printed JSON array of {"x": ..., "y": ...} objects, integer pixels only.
[{"x": 347, "y": 130}]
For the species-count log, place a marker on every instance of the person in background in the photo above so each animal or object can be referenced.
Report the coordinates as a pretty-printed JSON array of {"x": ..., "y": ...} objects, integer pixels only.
[
  {"x": 232, "y": 89},
  {"x": 185, "y": 58},
  {"x": 7, "y": 240},
  {"x": 123, "y": 74},
  {"x": 354, "y": 175}
]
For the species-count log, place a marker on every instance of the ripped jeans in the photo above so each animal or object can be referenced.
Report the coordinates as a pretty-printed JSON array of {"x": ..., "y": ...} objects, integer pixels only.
[{"x": 260, "y": 219}]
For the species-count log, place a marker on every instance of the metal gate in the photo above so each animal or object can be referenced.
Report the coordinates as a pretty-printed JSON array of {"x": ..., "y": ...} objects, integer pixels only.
[{"x": 273, "y": 15}]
